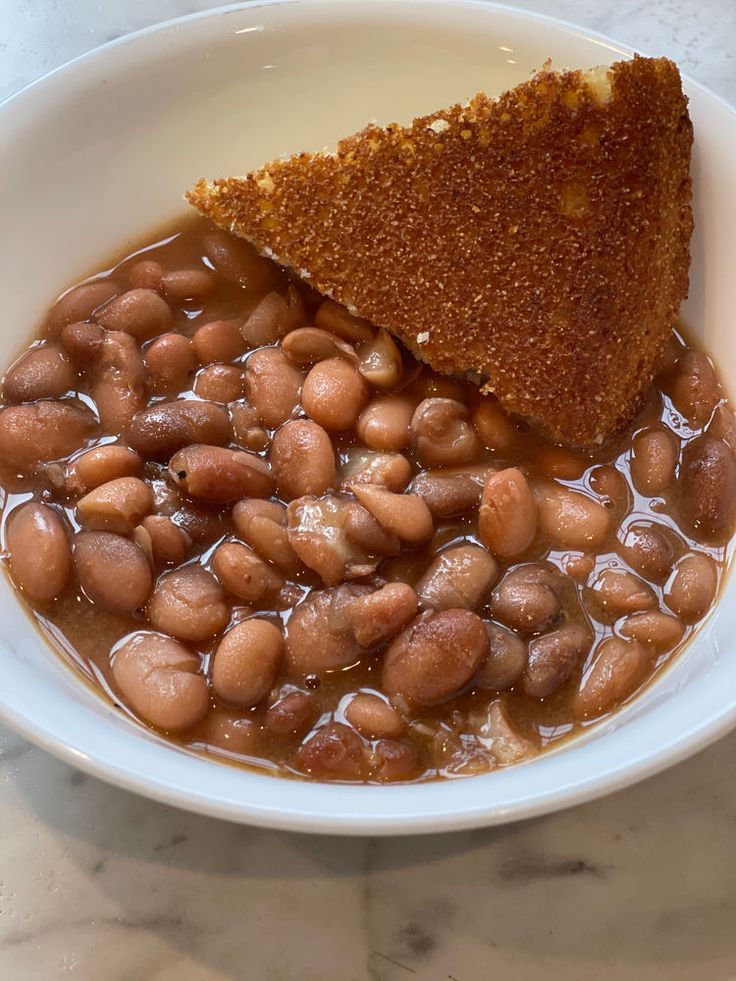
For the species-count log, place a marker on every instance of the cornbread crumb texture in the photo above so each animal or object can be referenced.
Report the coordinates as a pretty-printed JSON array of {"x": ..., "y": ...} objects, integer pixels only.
[{"x": 541, "y": 239}]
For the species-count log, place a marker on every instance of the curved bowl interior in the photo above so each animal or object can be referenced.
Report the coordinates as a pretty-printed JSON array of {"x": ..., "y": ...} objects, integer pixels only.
[{"x": 101, "y": 151}]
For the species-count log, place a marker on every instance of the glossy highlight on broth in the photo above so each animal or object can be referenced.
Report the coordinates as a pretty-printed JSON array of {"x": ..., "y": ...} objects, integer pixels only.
[{"x": 265, "y": 530}]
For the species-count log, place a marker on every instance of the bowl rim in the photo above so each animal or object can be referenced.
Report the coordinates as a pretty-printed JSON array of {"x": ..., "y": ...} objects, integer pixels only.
[{"x": 319, "y": 819}]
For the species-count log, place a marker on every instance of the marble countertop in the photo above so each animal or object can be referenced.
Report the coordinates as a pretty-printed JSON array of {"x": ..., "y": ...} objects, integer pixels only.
[{"x": 97, "y": 883}]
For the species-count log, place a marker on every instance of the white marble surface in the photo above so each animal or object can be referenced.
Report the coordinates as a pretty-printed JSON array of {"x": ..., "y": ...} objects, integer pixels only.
[{"x": 96, "y": 883}]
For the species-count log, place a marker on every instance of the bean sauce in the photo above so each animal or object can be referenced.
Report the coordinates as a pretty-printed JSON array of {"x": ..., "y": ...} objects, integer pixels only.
[{"x": 261, "y": 528}]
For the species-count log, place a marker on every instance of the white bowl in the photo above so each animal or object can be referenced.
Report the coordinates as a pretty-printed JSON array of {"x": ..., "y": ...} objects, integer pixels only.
[{"x": 100, "y": 151}]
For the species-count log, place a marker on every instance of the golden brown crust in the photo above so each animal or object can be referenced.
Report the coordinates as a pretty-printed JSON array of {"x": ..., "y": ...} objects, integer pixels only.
[{"x": 541, "y": 239}]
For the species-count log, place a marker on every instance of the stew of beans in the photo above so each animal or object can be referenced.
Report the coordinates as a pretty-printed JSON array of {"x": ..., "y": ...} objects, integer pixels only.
[{"x": 262, "y": 528}]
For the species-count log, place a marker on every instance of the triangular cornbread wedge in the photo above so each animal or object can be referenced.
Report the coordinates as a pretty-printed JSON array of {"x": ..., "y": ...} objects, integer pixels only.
[{"x": 540, "y": 239}]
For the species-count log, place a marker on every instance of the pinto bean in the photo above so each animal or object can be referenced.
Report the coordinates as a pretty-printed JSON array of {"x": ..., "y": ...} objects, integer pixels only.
[
  {"x": 261, "y": 525},
  {"x": 246, "y": 662},
  {"x": 527, "y": 599},
  {"x": 170, "y": 361},
  {"x": 434, "y": 658},
  {"x": 218, "y": 340},
  {"x": 308, "y": 345},
  {"x": 226, "y": 731},
  {"x": 334, "y": 394},
  {"x": 213, "y": 473},
  {"x": 694, "y": 388},
  {"x": 113, "y": 571},
  {"x": 403, "y": 515},
  {"x": 243, "y": 573},
  {"x": 39, "y": 553},
  {"x": 42, "y": 431},
  {"x": 82, "y": 342},
  {"x": 362, "y": 530},
  {"x": 273, "y": 385},
  {"x": 571, "y": 519},
  {"x": 43, "y": 372},
  {"x": 617, "y": 670},
  {"x": 146, "y": 275},
  {"x": 302, "y": 460},
  {"x": 559, "y": 461},
  {"x": 293, "y": 714},
  {"x": 335, "y": 318},
  {"x": 692, "y": 587},
  {"x": 616, "y": 592},
  {"x": 648, "y": 550},
  {"x": 161, "y": 680},
  {"x": 384, "y": 424},
  {"x": 505, "y": 661},
  {"x": 507, "y": 520},
  {"x": 274, "y": 317},
  {"x": 333, "y": 752},
  {"x": 80, "y": 303},
  {"x": 99, "y": 465},
  {"x": 394, "y": 759},
  {"x": 169, "y": 543},
  {"x": 441, "y": 433},
  {"x": 653, "y": 460},
  {"x": 610, "y": 485},
  {"x": 247, "y": 432},
  {"x": 653, "y": 629},
  {"x": 373, "y": 717},
  {"x": 378, "y": 616},
  {"x": 553, "y": 658},
  {"x": 389, "y": 470},
  {"x": 505, "y": 741},
  {"x": 182, "y": 285},
  {"x": 189, "y": 604},
  {"x": 381, "y": 363},
  {"x": 317, "y": 536},
  {"x": 141, "y": 313},
  {"x": 119, "y": 381},
  {"x": 117, "y": 505},
  {"x": 708, "y": 487},
  {"x": 319, "y": 633},
  {"x": 160, "y": 430},
  {"x": 459, "y": 578},
  {"x": 452, "y": 491},
  {"x": 493, "y": 426},
  {"x": 239, "y": 263},
  {"x": 723, "y": 425}
]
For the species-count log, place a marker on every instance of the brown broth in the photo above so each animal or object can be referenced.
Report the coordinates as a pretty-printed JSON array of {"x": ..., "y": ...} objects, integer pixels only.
[{"x": 443, "y": 736}]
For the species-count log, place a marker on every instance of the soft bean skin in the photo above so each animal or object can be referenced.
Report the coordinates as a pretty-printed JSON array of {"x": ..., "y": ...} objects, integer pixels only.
[
  {"x": 384, "y": 424},
  {"x": 113, "y": 571},
  {"x": 169, "y": 544},
  {"x": 507, "y": 521},
  {"x": 434, "y": 658},
  {"x": 80, "y": 303},
  {"x": 493, "y": 426},
  {"x": 708, "y": 487},
  {"x": 335, "y": 752},
  {"x": 319, "y": 635},
  {"x": 82, "y": 342},
  {"x": 403, "y": 515},
  {"x": 99, "y": 465},
  {"x": 243, "y": 574},
  {"x": 527, "y": 599},
  {"x": 692, "y": 587},
  {"x": 39, "y": 551},
  {"x": 218, "y": 340},
  {"x": 653, "y": 461},
  {"x": 451, "y": 491},
  {"x": 141, "y": 313},
  {"x": 219, "y": 475},
  {"x": 505, "y": 661},
  {"x": 246, "y": 662},
  {"x": 458, "y": 579},
  {"x": 571, "y": 519},
  {"x": 262, "y": 525},
  {"x": 389, "y": 470},
  {"x": 648, "y": 550},
  {"x": 273, "y": 385},
  {"x": 376, "y": 617},
  {"x": 292, "y": 715},
  {"x": 381, "y": 363},
  {"x": 653, "y": 629},
  {"x": 302, "y": 460},
  {"x": 694, "y": 388},
  {"x": 273, "y": 318},
  {"x": 119, "y": 387},
  {"x": 617, "y": 669},
  {"x": 118, "y": 505},
  {"x": 553, "y": 658},
  {"x": 373, "y": 717},
  {"x": 441, "y": 433},
  {"x": 335, "y": 318},
  {"x": 170, "y": 361},
  {"x": 617, "y": 592},
  {"x": 189, "y": 604},
  {"x": 182, "y": 285},
  {"x": 307, "y": 345},
  {"x": 41, "y": 431},
  {"x": 160, "y": 430},
  {"x": 219, "y": 383},
  {"x": 238, "y": 262},
  {"x": 334, "y": 394},
  {"x": 161, "y": 679},
  {"x": 44, "y": 372}
]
